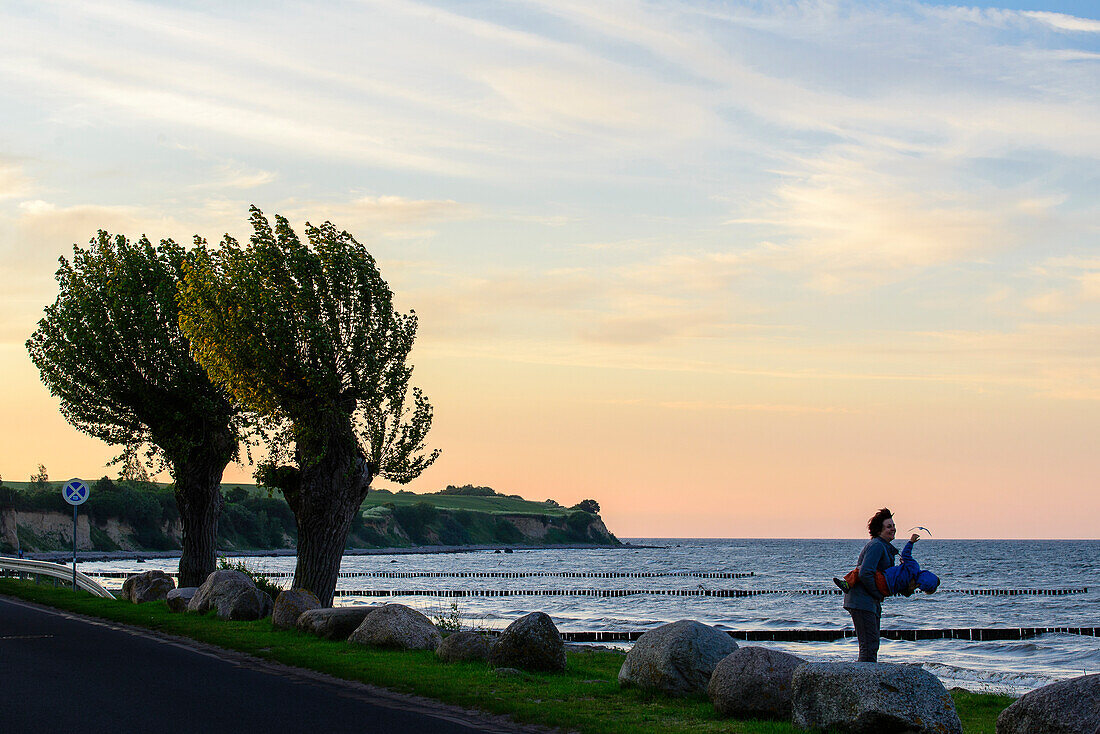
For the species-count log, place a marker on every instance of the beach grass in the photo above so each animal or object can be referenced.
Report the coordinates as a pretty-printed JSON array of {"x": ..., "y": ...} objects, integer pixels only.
[{"x": 585, "y": 698}]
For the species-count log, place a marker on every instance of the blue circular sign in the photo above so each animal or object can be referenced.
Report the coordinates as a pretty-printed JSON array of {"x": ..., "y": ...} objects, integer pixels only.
[{"x": 75, "y": 492}]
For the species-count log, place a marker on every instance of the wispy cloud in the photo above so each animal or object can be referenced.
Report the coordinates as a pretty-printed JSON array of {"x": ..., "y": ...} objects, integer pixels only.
[{"x": 1064, "y": 22}]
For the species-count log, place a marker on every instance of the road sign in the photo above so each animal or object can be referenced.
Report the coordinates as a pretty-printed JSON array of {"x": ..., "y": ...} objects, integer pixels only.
[{"x": 75, "y": 492}]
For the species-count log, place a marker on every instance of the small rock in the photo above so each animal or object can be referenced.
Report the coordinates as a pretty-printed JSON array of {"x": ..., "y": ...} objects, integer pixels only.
[
  {"x": 676, "y": 658},
  {"x": 532, "y": 642},
  {"x": 1066, "y": 707},
  {"x": 753, "y": 683},
  {"x": 290, "y": 605},
  {"x": 871, "y": 698},
  {"x": 147, "y": 586},
  {"x": 179, "y": 598},
  {"x": 396, "y": 626},
  {"x": 335, "y": 623},
  {"x": 507, "y": 672},
  {"x": 463, "y": 646}
]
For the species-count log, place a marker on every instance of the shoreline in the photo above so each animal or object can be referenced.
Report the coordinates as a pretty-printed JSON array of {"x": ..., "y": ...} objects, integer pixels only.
[{"x": 125, "y": 555}]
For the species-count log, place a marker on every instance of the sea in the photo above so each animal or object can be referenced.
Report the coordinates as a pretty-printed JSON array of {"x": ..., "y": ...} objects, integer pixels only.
[{"x": 1000, "y": 584}]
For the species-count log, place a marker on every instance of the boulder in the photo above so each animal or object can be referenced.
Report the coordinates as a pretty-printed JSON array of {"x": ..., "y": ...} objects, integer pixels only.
[
  {"x": 1066, "y": 707},
  {"x": 178, "y": 599},
  {"x": 333, "y": 624},
  {"x": 396, "y": 626},
  {"x": 233, "y": 594},
  {"x": 148, "y": 586},
  {"x": 289, "y": 606},
  {"x": 871, "y": 698},
  {"x": 753, "y": 683},
  {"x": 532, "y": 642},
  {"x": 463, "y": 646},
  {"x": 676, "y": 658}
]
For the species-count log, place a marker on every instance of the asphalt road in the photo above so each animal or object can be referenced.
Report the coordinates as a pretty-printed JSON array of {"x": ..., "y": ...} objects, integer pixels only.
[{"x": 64, "y": 673}]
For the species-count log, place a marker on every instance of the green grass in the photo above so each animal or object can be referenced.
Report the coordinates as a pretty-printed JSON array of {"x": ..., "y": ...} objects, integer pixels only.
[
  {"x": 978, "y": 711},
  {"x": 491, "y": 505},
  {"x": 586, "y": 698}
]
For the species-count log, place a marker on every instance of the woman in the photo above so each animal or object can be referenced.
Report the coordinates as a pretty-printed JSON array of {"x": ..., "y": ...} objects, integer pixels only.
[{"x": 863, "y": 601}]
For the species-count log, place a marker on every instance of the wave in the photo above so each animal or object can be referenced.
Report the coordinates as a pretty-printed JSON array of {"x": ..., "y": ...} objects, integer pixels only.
[{"x": 1006, "y": 682}]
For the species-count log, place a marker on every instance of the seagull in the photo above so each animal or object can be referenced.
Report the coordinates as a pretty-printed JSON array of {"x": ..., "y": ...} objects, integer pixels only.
[{"x": 920, "y": 527}]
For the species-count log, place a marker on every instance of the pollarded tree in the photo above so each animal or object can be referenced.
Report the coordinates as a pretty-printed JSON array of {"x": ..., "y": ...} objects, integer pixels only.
[
  {"x": 307, "y": 336},
  {"x": 111, "y": 349}
]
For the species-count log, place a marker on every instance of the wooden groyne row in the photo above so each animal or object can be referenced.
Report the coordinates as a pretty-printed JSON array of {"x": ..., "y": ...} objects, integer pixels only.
[
  {"x": 482, "y": 574},
  {"x": 975, "y": 634},
  {"x": 525, "y": 574},
  {"x": 721, "y": 593}
]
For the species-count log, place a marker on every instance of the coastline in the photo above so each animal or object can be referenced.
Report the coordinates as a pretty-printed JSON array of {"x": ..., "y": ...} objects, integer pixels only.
[{"x": 125, "y": 555}]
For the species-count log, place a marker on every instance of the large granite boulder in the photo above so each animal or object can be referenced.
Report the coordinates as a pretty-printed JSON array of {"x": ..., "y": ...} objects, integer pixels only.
[
  {"x": 464, "y": 646},
  {"x": 1066, "y": 707},
  {"x": 233, "y": 595},
  {"x": 871, "y": 698},
  {"x": 396, "y": 626},
  {"x": 289, "y": 606},
  {"x": 676, "y": 658},
  {"x": 148, "y": 586},
  {"x": 753, "y": 682},
  {"x": 178, "y": 599},
  {"x": 532, "y": 642},
  {"x": 334, "y": 623}
]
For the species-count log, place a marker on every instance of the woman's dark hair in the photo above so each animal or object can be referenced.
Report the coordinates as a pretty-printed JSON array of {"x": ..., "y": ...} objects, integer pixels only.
[{"x": 874, "y": 525}]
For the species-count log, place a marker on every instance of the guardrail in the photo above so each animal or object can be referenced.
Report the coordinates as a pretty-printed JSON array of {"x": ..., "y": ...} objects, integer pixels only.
[{"x": 45, "y": 568}]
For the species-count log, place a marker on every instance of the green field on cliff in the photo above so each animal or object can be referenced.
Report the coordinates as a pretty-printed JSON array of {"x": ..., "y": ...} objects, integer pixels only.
[{"x": 499, "y": 504}]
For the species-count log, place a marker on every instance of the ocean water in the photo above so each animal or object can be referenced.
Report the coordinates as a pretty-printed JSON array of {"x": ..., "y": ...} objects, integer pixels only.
[{"x": 787, "y": 567}]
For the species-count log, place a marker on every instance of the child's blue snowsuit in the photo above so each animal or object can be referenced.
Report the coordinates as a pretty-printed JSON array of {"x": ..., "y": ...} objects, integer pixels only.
[{"x": 900, "y": 576}]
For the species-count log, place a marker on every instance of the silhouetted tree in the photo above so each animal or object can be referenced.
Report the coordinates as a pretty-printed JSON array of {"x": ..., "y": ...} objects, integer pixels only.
[
  {"x": 111, "y": 349},
  {"x": 40, "y": 476},
  {"x": 307, "y": 336},
  {"x": 591, "y": 506}
]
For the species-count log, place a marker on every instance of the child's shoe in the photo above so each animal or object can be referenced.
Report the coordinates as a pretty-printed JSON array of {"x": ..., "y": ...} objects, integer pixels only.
[{"x": 842, "y": 584}]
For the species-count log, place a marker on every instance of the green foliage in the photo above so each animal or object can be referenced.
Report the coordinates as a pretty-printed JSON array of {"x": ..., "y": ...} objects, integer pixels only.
[
  {"x": 145, "y": 509},
  {"x": 255, "y": 522},
  {"x": 415, "y": 519},
  {"x": 101, "y": 541},
  {"x": 448, "y": 621},
  {"x": 578, "y": 522},
  {"x": 110, "y": 348},
  {"x": 263, "y": 583},
  {"x": 307, "y": 336},
  {"x": 468, "y": 490},
  {"x": 499, "y": 503},
  {"x": 589, "y": 506},
  {"x": 40, "y": 477},
  {"x": 506, "y": 532}
]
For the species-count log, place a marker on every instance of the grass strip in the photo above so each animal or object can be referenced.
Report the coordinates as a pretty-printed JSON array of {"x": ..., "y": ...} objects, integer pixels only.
[{"x": 585, "y": 698}]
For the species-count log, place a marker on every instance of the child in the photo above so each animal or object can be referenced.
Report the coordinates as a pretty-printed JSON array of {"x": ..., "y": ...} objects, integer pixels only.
[{"x": 901, "y": 579}]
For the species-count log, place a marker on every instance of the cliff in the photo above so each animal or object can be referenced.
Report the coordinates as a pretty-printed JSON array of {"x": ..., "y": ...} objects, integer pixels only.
[{"x": 251, "y": 520}]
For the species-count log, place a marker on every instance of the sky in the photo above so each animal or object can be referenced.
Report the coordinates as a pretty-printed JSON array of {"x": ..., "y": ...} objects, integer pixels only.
[{"x": 732, "y": 269}]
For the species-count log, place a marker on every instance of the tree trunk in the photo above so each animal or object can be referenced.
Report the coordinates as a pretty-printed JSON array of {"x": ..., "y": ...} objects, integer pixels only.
[
  {"x": 199, "y": 499},
  {"x": 322, "y": 535},
  {"x": 199, "y": 506},
  {"x": 333, "y": 486}
]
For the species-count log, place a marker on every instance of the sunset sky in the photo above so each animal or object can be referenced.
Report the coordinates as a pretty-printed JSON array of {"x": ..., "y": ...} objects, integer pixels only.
[{"x": 733, "y": 269}]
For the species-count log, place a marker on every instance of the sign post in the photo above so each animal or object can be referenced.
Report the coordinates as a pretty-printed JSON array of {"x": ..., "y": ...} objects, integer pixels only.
[{"x": 75, "y": 493}]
